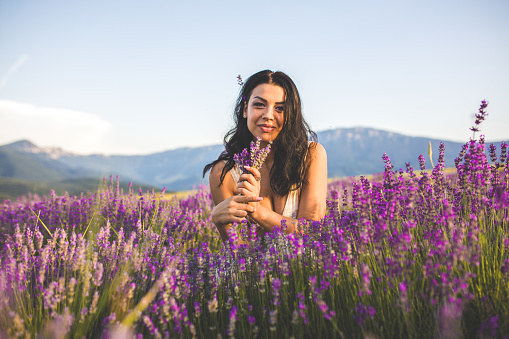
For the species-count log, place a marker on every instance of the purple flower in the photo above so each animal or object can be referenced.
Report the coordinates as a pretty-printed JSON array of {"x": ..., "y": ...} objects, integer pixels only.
[
  {"x": 489, "y": 328},
  {"x": 422, "y": 162},
  {"x": 233, "y": 318},
  {"x": 479, "y": 117},
  {"x": 364, "y": 313},
  {"x": 254, "y": 157}
]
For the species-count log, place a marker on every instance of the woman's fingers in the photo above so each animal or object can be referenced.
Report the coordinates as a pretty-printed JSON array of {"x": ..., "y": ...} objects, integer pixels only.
[
  {"x": 246, "y": 184},
  {"x": 235, "y": 208},
  {"x": 246, "y": 192},
  {"x": 247, "y": 179},
  {"x": 246, "y": 203},
  {"x": 253, "y": 171},
  {"x": 249, "y": 183},
  {"x": 245, "y": 199},
  {"x": 253, "y": 176},
  {"x": 239, "y": 213}
]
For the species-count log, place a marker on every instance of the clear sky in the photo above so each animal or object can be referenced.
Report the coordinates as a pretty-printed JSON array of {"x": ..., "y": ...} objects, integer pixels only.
[{"x": 129, "y": 77}]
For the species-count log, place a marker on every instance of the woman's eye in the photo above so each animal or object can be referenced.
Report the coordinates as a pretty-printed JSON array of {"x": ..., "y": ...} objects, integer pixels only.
[
  {"x": 258, "y": 104},
  {"x": 280, "y": 109}
]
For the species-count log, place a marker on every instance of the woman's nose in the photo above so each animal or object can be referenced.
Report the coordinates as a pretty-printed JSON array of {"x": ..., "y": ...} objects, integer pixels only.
[{"x": 269, "y": 113}]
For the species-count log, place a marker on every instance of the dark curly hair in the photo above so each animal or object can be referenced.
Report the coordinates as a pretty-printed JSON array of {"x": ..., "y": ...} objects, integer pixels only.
[{"x": 290, "y": 146}]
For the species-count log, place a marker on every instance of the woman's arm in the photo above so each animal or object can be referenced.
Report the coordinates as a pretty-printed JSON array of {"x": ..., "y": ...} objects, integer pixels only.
[
  {"x": 229, "y": 207},
  {"x": 312, "y": 202}
]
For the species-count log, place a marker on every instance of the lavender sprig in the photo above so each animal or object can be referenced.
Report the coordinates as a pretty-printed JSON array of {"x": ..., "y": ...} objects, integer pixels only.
[
  {"x": 252, "y": 158},
  {"x": 241, "y": 83},
  {"x": 479, "y": 117}
]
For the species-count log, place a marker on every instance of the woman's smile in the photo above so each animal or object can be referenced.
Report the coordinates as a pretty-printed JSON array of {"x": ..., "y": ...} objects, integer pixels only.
[{"x": 266, "y": 128}]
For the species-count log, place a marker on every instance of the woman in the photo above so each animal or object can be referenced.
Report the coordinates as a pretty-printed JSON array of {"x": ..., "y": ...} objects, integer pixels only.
[{"x": 292, "y": 183}]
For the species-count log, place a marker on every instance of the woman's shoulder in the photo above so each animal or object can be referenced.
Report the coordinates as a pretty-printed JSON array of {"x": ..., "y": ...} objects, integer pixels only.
[
  {"x": 316, "y": 150},
  {"x": 217, "y": 169}
]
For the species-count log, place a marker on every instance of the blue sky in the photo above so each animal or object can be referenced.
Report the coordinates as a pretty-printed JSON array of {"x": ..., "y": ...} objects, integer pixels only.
[{"x": 129, "y": 77}]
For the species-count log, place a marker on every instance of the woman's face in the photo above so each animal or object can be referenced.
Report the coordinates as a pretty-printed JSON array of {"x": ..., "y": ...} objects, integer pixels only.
[{"x": 265, "y": 111}]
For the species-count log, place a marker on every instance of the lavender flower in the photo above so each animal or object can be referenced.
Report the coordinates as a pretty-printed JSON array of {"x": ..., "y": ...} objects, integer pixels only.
[
  {"x": 479, "y": 118},
  {"x": 364, "y": 313},
  {"x": 241, "y": 84},
  {"x": 489, "y": 328},
  {"x": 503, "y": 152},
  {"x": 233, "y": 319},
  {"x": 254, "y": 157}
]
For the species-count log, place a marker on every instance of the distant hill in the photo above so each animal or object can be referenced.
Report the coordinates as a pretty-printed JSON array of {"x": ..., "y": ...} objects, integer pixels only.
[
  {"x": 357, "y": 151},
  {"x": 24, "y": 160},
  {"x": 350, "y": 152},
  {"x": 178, "y": 169},
  {"x": 24, "y": 168}
]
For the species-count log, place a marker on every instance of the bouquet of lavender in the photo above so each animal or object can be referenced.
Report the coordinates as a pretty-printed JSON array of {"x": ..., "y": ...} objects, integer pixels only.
[{"x": 252, "y": 158}]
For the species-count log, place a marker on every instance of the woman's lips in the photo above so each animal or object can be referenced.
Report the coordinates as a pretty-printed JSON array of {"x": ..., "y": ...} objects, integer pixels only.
[{"x": 266, "y": 128}]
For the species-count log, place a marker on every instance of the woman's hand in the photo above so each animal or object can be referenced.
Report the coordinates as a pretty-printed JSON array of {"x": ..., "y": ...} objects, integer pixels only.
[
  {"x": 234, "y": 208},
  {"x": 249, "y": 183}
]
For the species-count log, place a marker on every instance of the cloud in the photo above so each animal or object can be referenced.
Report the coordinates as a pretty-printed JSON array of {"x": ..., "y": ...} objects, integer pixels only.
[
  {"x": 47, "y": 126},
  {"x": 17, "y": 64}
]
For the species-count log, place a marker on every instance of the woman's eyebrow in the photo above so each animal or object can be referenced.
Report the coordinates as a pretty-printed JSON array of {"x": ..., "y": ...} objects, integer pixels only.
[{"x": 262, "y": 99}]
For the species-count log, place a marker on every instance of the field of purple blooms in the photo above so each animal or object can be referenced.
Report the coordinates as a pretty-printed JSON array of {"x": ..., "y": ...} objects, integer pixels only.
[{"x": 400, "y": 255}]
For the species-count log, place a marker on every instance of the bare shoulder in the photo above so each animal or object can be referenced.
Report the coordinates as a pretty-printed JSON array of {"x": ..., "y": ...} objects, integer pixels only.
[
  {"x": 217, "y": 170},
  {"x": 215, "y": 175},
  {"x": 317, "y": 152},
  {"x": 317, "y": 170}
]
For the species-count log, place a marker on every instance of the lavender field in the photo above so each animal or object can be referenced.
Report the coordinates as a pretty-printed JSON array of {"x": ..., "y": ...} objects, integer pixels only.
[{"x": 401, "y": 255}]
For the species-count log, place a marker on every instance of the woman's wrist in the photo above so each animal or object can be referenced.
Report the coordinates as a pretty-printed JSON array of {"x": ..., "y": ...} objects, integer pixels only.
[
  {"x": 258, "y": 214},
  {"x": 255, "y": 215}
]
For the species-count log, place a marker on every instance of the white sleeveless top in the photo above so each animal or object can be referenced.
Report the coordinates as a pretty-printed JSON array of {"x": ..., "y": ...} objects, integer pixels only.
[{"x": 292, "y": 199}]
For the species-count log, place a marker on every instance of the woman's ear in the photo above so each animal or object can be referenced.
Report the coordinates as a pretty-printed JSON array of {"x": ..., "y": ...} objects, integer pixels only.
[{"x": 245, "y": 110}]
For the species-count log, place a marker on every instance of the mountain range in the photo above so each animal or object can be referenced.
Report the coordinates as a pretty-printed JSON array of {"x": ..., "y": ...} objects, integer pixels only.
[{"x": 350, "y": 152}]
